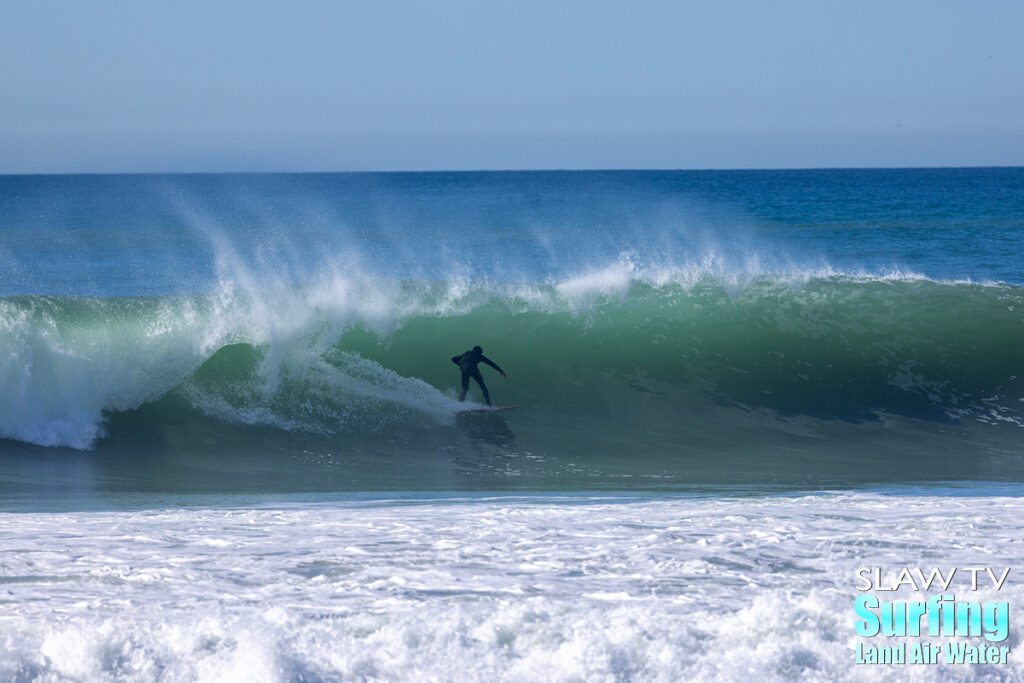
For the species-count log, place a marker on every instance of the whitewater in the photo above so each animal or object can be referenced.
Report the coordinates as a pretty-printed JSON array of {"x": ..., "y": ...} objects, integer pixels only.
[{"x": 481, "y": 588}]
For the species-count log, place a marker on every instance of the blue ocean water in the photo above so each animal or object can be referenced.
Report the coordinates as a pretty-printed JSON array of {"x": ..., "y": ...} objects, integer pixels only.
[
  {"x": 747, "y": 327},
  {"x": 204, "y": 372},
  {"x": 113, "y": 235}
]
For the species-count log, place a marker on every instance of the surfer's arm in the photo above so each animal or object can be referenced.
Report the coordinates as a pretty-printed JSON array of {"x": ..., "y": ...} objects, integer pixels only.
[
  {"x": 457, "y": 360},
  {"x": 492, "y": 364}
]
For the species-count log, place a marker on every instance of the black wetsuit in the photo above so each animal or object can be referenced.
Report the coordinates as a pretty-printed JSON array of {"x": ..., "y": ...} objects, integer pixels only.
[{"x": 468, "y": 362}]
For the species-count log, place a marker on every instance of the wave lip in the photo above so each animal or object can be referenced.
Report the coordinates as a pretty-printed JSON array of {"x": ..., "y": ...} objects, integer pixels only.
[{"x": 66, "y": 360}]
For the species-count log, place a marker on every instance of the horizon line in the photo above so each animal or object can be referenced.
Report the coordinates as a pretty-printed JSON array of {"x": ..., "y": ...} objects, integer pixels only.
[{"x": 524, "y": 170}]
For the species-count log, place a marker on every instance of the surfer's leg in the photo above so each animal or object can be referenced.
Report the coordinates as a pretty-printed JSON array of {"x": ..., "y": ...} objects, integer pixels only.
[
  {"x": 483, "y": 387},
  {"x": 465, "y": 386}
]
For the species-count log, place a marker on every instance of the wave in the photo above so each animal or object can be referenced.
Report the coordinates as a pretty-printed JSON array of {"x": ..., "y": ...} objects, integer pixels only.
[{"x": 620, "y": 347}]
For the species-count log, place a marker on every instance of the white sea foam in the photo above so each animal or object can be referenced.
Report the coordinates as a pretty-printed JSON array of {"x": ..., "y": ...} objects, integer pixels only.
[{"x": 499, "y": 589}]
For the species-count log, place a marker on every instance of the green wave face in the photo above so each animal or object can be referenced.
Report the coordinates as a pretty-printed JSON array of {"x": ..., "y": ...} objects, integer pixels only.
[
  {"x": 831, "y": 349},
  {"x": 693, "y": 381}
]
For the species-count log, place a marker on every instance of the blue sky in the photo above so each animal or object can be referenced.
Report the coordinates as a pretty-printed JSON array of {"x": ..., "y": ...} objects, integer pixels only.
[{"x": 290, "y": 86}]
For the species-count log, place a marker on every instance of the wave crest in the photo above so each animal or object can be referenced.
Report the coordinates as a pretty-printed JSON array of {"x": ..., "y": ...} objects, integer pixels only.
[{"x": 349, "y": 352}]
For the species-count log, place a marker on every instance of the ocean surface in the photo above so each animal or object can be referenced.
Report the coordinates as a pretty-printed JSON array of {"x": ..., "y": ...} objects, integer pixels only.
[{"x": 231, "y": 446}]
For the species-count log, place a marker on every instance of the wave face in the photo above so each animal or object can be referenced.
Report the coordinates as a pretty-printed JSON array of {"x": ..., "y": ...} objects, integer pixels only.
[
  {"x": 747, "y": 326},
  {"x": 662, "y": 366}
]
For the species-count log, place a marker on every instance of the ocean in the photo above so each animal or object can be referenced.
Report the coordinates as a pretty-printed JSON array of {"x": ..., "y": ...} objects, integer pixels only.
[{"x": 232, "y": 447}]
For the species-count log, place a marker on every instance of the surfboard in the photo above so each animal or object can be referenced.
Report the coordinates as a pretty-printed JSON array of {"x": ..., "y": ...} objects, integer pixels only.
[{"x": 489, "y": 409}]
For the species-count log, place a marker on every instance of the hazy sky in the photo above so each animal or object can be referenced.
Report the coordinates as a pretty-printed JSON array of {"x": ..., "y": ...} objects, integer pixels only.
[{"x": 143, "y": 85}]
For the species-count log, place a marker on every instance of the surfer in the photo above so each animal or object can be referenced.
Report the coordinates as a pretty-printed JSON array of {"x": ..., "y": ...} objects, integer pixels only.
[{"x": 467, "y": 363}]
